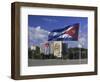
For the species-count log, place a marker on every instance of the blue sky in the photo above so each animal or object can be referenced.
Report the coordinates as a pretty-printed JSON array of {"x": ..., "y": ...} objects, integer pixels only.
[{"x": 39, "y": 27}]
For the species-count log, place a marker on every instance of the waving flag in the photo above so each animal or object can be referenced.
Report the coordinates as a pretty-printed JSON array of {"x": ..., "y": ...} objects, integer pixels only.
[{"x": 69, "y": 33}]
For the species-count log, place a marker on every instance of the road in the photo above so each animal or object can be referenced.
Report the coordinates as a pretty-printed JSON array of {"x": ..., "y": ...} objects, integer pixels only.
[{"x": 45, "y": 62}]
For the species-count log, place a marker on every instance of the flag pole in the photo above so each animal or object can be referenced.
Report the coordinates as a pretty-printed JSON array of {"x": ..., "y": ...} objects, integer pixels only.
[{"x": 80, "y": 46}]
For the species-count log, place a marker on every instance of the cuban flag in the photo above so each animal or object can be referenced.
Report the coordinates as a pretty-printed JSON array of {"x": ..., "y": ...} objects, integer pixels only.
[{"x": 69, "y": 33}]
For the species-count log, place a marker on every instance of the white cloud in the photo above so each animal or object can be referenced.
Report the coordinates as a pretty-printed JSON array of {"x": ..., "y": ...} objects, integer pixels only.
[
  {"x": 83, "y": 40},
  {"x": 37, "y": 35}
]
